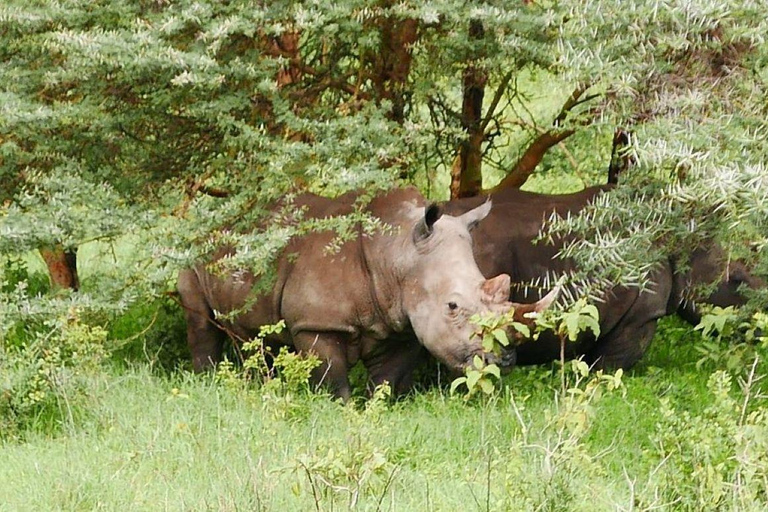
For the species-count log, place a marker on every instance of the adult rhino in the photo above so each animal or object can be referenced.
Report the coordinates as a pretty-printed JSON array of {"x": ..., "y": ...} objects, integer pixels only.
[
  {"x": 371, "y": 300},
  {"x": 628, "y": 317}
]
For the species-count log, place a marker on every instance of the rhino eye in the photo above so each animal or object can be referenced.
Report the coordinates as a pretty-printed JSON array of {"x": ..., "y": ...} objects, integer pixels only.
[{"x": 452, "y": 306}]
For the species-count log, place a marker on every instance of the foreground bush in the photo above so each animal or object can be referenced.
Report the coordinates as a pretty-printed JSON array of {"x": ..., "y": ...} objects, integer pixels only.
[{"x": 44, "y": 382}]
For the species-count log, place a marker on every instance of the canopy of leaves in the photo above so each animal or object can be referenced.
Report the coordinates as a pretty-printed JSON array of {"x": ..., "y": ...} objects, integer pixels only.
[{"x": 172, "y": 120}]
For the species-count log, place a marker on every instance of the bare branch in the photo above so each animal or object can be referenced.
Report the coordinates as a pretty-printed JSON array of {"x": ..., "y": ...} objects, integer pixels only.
[
  {"x": 500, "y": 90},
  {"x": 544, "y": 141}
]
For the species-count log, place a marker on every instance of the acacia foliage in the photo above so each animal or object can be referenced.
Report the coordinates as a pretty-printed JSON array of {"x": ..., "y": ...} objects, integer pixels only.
[{"x": 169, "y": 120}]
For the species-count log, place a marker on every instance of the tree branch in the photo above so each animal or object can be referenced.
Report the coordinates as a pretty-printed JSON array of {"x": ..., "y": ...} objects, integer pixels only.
[
  {"x": 495, "y": 102},
  {"x": 543, "y": 142}
]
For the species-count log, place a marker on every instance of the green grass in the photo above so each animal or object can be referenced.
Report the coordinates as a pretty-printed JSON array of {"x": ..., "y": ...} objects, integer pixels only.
[{"x": 154, "y": 440}]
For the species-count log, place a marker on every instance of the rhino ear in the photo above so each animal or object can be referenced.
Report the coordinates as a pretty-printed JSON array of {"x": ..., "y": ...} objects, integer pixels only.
[
  {"x": 474, "y": 216},
  {"x": 496, "y": 289},
  {"x": 424, "y": 228}
]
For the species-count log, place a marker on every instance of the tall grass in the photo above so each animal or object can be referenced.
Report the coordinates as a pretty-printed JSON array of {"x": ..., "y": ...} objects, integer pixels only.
[{"x": 150, "y": 439}]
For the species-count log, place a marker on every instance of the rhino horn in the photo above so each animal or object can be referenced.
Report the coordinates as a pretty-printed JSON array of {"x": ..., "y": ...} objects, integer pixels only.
[
  {"x": 424, "y": 228},
  {"x": 527, "y": 312},
  {"x": 475, "y": 215}
]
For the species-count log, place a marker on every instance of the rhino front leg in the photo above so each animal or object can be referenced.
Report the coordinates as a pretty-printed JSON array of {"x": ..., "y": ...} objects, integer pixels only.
[
  {"x": 204, "y": 337},
  {"x": 330, "y": 348},
  {"x": 395, "y": 365},
  {"x": 624, "y": 346}
]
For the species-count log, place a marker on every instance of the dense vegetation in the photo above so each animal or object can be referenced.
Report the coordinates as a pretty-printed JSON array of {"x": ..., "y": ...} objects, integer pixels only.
[{"x": 133, "y": 131}]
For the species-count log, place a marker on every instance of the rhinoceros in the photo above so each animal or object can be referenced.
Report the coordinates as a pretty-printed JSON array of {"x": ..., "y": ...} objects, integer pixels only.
[
  {"x": 628, "y": 317},
  {"x": 380, "y": 298}
]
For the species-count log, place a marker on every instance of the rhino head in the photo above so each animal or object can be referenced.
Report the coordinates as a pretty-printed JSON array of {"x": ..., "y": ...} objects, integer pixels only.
[
  {"x": 445, "y": 287},
  {"x": 710, "y": 265}
]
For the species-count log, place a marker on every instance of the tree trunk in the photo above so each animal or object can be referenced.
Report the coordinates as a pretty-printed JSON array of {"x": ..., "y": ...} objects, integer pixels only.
[
  {"x": 393, "y": 64},
  {"x": 621, "y": 158},
  {"x": 288, "y": 45},
  {"x": 467, "y": 170},
  {"x": 62, "y": 267}
]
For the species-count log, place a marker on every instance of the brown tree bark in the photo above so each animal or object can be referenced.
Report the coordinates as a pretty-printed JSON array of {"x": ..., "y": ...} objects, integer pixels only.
[
  {"x": 62, "y": 267},
  {"x": 467, "y": 169},
  {"x": 535, "y": 152},
  {"x": 288, "y": 44},
  {"x": 392, "y": 64},
  {"x": 621, "y": 159}
]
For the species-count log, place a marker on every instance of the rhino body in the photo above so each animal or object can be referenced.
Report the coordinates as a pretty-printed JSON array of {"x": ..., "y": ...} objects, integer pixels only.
[
  {"x": 628, "y": 317},
  {"x": 381, "y": 298}
]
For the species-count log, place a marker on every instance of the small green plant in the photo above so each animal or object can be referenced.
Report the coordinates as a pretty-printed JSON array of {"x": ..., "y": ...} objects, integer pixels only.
[
  {"x": 355, "y": 464},
  {"x": 721, "y": 324},
  {"x": 492, "y": 330},
  {"x": 756, "y": 330},
  {"x": 718, "y": 322},
  {"x": 15, "y": 271},
  {"x": 288, "y": 372},
  {"x": 294, "y": 370},
  {"x": 717, "y": 458},
  {"x": 42, "y": 386},
  {"x": 568, "y": 324},
  {"x": 477, "y": 377},
  {"x": 256, "y": 365}
]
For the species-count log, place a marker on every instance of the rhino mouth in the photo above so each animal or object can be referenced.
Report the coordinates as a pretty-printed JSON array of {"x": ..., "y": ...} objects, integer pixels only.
[{"x": 506, "y": 361}]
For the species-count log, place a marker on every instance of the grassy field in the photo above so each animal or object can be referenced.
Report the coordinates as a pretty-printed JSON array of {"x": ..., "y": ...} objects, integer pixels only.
[{"x": 137, "y": 437}]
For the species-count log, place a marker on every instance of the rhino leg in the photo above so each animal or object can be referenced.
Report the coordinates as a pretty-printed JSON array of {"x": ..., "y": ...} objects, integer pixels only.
[
  {"x": 204, "y": 337},
  {"x": 330, "y": 348},
  {"x": 623, "y": 346},
  {"x": 396, "y": 365}
]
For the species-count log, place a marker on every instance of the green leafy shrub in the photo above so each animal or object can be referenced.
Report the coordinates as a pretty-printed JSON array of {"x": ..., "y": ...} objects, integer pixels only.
[
  {"x": 279, "y": 376},
  {"x": 716, "y": 459},
  {"x": 153, "y": 332},
  {"x": 492, "y": 330},
  {"x": 355, "y": 464},
  {"x": 729, "y": 342},
  {"x": 477, "y": 377},
  {"x": 550, "y": 465},
  {"x": 42, "y": 386},
  {"x": 15, "y": 271}
]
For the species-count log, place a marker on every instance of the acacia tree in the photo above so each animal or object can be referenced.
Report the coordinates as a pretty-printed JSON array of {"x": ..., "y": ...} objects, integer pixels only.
[{"x": 173, "y": 120}]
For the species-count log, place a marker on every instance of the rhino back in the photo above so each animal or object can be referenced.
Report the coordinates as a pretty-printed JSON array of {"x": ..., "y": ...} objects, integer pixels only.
[
  {"x": 504, "y": 243},
  {"x": 238, "y": 291}
]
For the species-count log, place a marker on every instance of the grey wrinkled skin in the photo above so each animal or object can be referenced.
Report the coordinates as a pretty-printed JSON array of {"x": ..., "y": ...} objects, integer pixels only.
[
  {"x": 381, "y": 298},
  {"x": 503, "y": 243}
]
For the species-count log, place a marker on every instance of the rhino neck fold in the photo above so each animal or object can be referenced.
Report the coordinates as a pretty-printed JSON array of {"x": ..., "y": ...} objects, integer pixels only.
[{"x": 385, "y": 280}]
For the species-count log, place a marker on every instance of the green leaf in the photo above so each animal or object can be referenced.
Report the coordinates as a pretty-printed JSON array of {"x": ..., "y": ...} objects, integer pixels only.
[
  {"x": 593, "y": 326},
  {"x": 472, "y": 378},
  {"x": 487, "y": 343},
  {"x": 572, "y": 326},
  {"x": 457, "y": 382},
  {"x": 487, "y": 386},
  {"x": 501, "y": 337},
  {"x": 581, "y": 367},
  {"x": 492, "y": 369},
  {"x": 522, "y": 329}
]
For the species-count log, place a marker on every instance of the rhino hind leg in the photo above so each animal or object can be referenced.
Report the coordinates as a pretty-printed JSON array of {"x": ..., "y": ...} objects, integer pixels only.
[
  {"x": 330, "y": 348},
  {"x": 204, "y": 337},
  {"x": 623, "y": 347}
]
